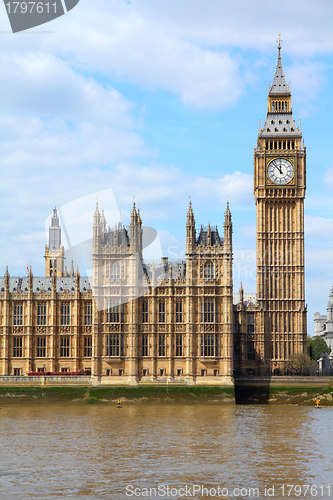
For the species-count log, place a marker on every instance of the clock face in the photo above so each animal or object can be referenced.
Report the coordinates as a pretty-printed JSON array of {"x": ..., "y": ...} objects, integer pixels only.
[{"x": 280, "y": 171}]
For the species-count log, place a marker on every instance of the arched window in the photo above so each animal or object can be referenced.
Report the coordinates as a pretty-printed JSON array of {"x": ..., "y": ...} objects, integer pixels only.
[
  {"x": 115, "y": 271},
  {"x": 209, "y": 271}
]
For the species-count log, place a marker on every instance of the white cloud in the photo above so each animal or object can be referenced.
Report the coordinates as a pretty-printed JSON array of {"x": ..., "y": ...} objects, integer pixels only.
[
  {"x": 318, "y": 262},
  {"x": 161, "y": 192},
  {"x": 236, "y": 187},
  {"x": 307, "y": 80},
  {"x": 329, "y": 177},
  {"x": 186, "y": 47},
  {"x": 306, "y": 26},
  {"x": 319, "y": 229},
  {"x": 45, "y": 86}
]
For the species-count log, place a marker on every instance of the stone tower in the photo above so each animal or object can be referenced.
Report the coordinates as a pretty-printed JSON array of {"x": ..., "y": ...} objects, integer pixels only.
[
  {"x": 54, "y": 251},
  {"x": 209, "y": 291},
  {"x": 118, "y": 280},
  {"x": 279, "y": 188}
]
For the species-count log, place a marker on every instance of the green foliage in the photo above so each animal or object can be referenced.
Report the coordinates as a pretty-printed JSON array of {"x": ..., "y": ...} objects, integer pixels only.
[
  {"x": 301, "y": 364},
  {"x": 316, "y": 347}
]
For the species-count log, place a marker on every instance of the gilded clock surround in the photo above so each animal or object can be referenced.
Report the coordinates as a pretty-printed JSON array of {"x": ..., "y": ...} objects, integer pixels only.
[{"x": 291, "y": 159}]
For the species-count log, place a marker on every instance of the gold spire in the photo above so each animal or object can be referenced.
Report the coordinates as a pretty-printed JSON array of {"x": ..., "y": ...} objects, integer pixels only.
[{"x": 279, "y": 40}]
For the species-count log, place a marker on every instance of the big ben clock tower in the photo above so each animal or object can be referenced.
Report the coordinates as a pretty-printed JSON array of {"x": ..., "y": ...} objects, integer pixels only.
[{"x": 279, "y": 188}]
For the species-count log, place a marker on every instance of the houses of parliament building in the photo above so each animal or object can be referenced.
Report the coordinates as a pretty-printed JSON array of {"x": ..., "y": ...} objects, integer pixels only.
[{"x": 181, "y": 322}]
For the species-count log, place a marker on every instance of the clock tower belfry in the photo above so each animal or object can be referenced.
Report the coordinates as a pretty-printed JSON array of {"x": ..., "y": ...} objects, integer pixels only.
[{"x": 279, "y": 188}]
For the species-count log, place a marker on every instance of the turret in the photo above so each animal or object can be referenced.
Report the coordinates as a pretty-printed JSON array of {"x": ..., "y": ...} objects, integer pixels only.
[
  {"x": 330, "y": 312},
  {"x": 103, "y": 222},
  {"x": 241, "y": 294},
  {"x": 77, "y": 280},
  {"x": 54, "y": 283},
  {"x": 30, "y": 280},
  {"x": 96, "y": 224},
  {"x": 136, "y": 232},
  {"x": 54, "y": 232},
  {"x": 7, "y": 280},
  {"x": 228, "y": 229},
  {"x": 190, "y": 230},
  {"x": 54, "y": 251},
  {"x": 209, "y": 235}
]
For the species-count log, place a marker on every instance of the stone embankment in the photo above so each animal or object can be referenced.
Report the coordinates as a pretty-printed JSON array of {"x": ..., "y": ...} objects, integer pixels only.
[{"x": 277, "y": 390}]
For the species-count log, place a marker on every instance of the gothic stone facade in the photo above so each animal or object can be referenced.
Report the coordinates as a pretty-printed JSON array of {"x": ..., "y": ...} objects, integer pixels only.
[
  {"x": 177, "y": 321},
  {"x": 136, "y": 322}
]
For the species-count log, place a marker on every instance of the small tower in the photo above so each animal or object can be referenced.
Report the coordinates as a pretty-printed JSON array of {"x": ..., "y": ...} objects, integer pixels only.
[
  {"x": 30, "y": 280},
  {"x": 7, "y": 278},
  {"x": 227, "y": 230},
  {"x": 54, "y": 251},
  {"x": 96, "y": 225},
  {"x": 136, "y": 232},
  {"x": 241, "y": 294},
  {"x": 209, "y": 235},
  {"x": 77, "y": 280},
  {"x": 329, "y": 324},
  {"x": 190, "y": 231},
  {"x": 228, "y": 256}
]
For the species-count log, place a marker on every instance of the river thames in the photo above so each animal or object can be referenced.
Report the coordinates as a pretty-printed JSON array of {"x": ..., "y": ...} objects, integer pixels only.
[{"x": 99, "y": 451}]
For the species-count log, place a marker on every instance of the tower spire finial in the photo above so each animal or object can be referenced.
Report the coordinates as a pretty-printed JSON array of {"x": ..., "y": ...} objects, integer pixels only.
[
  {"x": 190, "y": 214},
  {"x": 279, "y": 40},
  {"x": 279, "y": 85}
]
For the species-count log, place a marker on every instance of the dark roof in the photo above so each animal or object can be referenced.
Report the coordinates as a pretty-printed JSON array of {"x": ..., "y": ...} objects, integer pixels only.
[
  {"x": 214, "y": 238},
  {"x": 117, "y": 237},
  {"x": 280, "y": 125},
  {"x": 41, "y": 284}
]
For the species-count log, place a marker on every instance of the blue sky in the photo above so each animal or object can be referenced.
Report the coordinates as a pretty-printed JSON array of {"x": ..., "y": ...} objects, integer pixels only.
[{"x": 162, "y": 100}]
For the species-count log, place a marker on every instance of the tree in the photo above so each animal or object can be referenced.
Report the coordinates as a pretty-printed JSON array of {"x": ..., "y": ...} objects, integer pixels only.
[
  {"x": 301, "y": 364},
  {"x": 316, "y": 347}
]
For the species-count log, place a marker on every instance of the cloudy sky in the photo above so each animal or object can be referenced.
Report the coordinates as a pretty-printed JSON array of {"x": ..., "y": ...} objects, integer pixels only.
[{"x": 161, "y": 100}]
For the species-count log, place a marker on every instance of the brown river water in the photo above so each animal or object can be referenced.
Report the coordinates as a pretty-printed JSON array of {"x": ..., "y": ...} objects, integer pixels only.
[{"x": 99, "y": 451}]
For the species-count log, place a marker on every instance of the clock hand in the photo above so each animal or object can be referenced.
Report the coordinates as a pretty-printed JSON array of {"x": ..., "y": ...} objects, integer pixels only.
[{"x": 279, "y": 169}]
